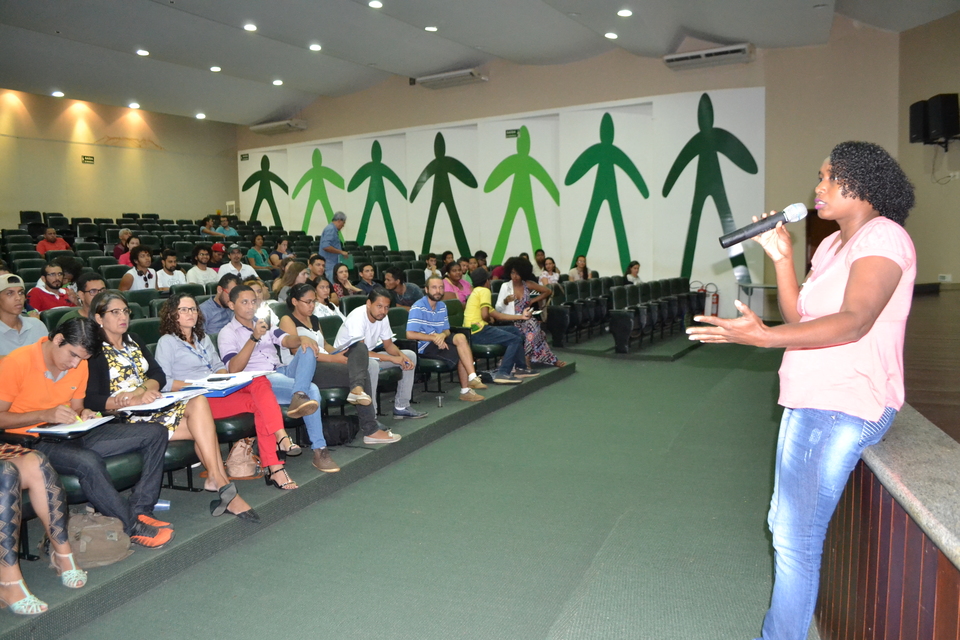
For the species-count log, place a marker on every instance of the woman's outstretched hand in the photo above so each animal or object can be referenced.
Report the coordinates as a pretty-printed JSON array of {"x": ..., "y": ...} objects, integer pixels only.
[
  {"x": 775, "y": 242},
  {"x": 747, "y": 329}
]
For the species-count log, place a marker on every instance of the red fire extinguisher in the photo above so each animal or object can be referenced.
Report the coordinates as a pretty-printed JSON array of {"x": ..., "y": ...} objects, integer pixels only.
[{"x": 713, "y": 300}]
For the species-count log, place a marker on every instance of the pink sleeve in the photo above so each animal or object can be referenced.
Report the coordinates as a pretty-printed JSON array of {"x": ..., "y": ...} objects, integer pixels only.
[{"x": 886, "y": 239}]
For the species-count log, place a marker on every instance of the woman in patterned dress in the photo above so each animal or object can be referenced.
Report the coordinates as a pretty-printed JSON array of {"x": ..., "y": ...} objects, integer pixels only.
[
  {"x": 124, "y": 375},
  {"x": 514, "y": 298}
]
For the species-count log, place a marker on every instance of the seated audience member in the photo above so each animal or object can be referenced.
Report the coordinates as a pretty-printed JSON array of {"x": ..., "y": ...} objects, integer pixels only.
[
  {"x": 342, "y": 285},
  {"x": 524, "y": 256},
  {"x": 265, "y": 311},
  {"x": 431, "y": 271},
  {"x": 446, "y": 258},
  {"x": 325, "y": 306},
  {"x": 88, "y": 286},
  {"x": 294, "y": 273},
  {"x": 369, "y": 323},
  {"x": 366, "y": 283},
  {"x": 170, "y": 274},
  {"x": 72, "y": 268},
  {"x": 481, "y": 257},
  {"x": 49, "y": 292},
  {"x": 51, "y": 242},
  {"x": 498, "y": 273},
  {"x": 247, "y": 343},
  {"x": 126, "y": 259},
  {"x": 351, "y": 369},
  {"x": 549, "y": 275},
  {"x": 225, "y": 229},
  {"x": 217, "y": 312},
  {"x": 539, "y": 262},
  {"x": 236, "y": 264},
  {"x": 632, "y": 274},
  {"x": 121, "y": 247},
  {"x": 477, "y": 316},
  {"x": 185, "y": 352},
  {"x": 465, "y": 269},
  {"x": 16, "y": 330},
  {"x": 280, "y": 252},
  {"x": 403, "y": 293},
  {"x": 47, "y": 382},
  {"x": 201, "y": 273},
  {"x": 208, "y": 230},
  {"x": 141, "y": 276},
  {"x": 4, "y": 269},
  {"x": 257, "y": 256},
  {"x": 318, "y": 269},
  {"x": 124, "y": 375},
  {"x": 20, "y": 469},
  {"x": 216, "y": 256},
  {"x": 454, "y": 286},
  {"x": 516, "y": 296},
  {"x": 581, "y": 271},
  {"x": 429, "y": 324}
]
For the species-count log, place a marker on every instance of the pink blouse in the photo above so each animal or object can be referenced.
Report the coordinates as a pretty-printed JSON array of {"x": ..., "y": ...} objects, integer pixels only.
[{"x": 462, "y": 293}]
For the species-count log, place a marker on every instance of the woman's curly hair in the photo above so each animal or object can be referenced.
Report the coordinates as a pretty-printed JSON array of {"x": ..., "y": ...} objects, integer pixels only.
[
  {"x": 170, "y": 316},
  {"x": 522, "y": 266},
  {"x": 865, "y": 171}
]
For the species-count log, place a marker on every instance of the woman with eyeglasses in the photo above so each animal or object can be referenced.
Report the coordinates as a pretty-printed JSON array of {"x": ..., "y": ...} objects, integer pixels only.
[
  {"x": 186, "y": 352},
  {"x": 141, "y": 276},
  {"x": 124, "y": 375}
]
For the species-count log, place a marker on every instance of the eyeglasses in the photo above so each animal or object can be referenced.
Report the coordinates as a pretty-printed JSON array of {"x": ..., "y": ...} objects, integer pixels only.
[
  {"x": 187, "y": 310},
  {"x": 93, "y": 292},
  {"x": 54, "y": 275},
  {"x": 307, "y": 301},
  {"x": 116, "y": 313}
]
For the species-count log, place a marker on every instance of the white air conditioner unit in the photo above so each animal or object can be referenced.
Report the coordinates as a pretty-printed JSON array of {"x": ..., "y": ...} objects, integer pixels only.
[
  {"x": 450, "y": 79},
  {"x": 733, "y": 54},
  {"x": 281, "y": 126}
]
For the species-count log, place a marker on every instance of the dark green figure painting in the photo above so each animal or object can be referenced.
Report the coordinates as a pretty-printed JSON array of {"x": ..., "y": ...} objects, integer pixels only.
[
  {"x": 262, "y": 179},
  {"x": 605, "y": 156},
  {"x": 318, "y": 176},
  {"x": 705, "y": 147},
  {"x": 376, "y": 171},
  {"x": 522, "y": 168},
  {"x": 440, "y": 169}
]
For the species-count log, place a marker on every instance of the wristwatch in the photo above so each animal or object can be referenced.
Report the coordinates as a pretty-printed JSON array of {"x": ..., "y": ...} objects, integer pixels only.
[{"x": 254, "y": 339}]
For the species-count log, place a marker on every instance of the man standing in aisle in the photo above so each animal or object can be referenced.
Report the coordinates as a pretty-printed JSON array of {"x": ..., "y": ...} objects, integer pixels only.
[{"x": 330, "y": 247}]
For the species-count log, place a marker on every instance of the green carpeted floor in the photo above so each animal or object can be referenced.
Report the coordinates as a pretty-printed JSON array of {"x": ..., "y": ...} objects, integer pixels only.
[{"x": 627, "y": 501}]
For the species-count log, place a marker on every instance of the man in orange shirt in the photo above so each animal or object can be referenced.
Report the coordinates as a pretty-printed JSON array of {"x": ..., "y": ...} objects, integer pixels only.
[
  {"x": 46, "y": 382},
  {"x": 51, "y": 242}
]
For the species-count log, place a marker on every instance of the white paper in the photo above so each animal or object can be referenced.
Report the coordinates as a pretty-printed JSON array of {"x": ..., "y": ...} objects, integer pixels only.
[
  {"x": 220, "y": 381},
  {"x": 165, "y": 400},
  {"x": 72, "y": 427}
]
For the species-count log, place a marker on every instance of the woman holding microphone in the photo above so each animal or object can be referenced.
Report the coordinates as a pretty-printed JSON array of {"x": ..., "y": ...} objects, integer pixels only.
[{"x": 841, "y": 379}]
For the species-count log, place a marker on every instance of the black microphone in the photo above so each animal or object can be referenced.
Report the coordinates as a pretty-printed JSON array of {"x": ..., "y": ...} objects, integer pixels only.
[{"x": 793, "y": 213}]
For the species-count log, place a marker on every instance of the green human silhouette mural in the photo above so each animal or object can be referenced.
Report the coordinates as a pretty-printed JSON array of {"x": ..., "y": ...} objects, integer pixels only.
[
  {"x": 705, "y": 145},
  {"x": 605, "y": 156},
  {"x": 263, "y": 178},
  {"x": 522, "y": 167},
  {"x": 318, "y": 176},
  {"x": 440, "y": 169},
  {"x": 376, "y": 171}
]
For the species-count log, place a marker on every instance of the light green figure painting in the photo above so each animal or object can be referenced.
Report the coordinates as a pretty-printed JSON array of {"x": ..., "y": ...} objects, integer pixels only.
[
  {"x": 440, "y": 169},
  {"x": 522, "y": 167},
  {"x": 605, "y": 156},
  {"x": 318, "y": 176},
  {"x": 263, "y": 178},
  {"x": 706, "y": 146},
  {"x": 376, "y": 171}
]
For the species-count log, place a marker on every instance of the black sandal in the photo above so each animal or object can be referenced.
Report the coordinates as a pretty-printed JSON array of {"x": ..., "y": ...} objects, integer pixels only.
[
  {"x": 294, "y": 449},
  {"x": 269, "y": 479}
]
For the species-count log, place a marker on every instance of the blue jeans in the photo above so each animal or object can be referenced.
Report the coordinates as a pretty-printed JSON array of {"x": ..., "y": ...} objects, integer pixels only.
[
  {"x": 510, "y": 337},
  {"x": 816, "y": 452},
  {"x": 298, "y": 376}
]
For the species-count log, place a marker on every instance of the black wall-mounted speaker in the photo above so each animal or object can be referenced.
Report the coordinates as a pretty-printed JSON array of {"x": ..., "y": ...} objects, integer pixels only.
[
  {"x": 943, "y": 116},
  {"x": 918, "y": 122}
]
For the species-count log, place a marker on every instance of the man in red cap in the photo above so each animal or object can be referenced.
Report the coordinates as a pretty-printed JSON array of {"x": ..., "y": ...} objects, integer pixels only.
[{"x": 216, "y": 261}]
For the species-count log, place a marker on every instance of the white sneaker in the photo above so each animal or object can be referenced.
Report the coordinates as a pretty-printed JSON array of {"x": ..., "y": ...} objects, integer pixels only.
[{"x": 393, "y": 438}]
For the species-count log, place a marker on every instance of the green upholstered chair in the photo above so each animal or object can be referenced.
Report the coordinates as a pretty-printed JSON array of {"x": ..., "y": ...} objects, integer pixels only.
[
  {"x": 51, "y": 317},
  {"x": 148, "y": 329},
  {"x": 191, "y": 288},
  {"x": 142, "y": 297}
]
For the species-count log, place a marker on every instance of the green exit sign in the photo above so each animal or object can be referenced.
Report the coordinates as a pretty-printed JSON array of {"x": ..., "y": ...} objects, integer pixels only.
[
  {"x": 513, "y": 133},
  {"x": 244, "y": 157},
  {"x": 86, "y": 159}
]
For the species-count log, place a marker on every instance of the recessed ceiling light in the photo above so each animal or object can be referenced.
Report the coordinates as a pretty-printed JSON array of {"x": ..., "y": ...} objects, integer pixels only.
[
  {"x": 201, "y": 116},
  {"x": 134, "y": 105},
  {"x": 250, "y": 27},
  {"x": 429, "y": 28},
  {"x": 611, "y": 35},
  {"x": 142, "y": 52},
  {"x": 57, "y": 94},
  {"x": 375, "y": 4},
  {"x": 315, "y": 47},
  {"x": 573, "y": 14},
  {"x": 624, "y": 13},
  {"x": 277, "y": 83},
  {"x": 215, "y": 69}
]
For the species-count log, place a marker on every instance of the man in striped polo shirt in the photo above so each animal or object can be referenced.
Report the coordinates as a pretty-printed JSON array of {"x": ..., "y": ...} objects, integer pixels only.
[{"x": 428, "y": 323}]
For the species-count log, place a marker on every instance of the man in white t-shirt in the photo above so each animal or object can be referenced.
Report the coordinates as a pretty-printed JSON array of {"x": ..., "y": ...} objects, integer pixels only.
[
  {"x": 170, "y": 275},
  {"x": 369, "y": 323},
  {"x": 201, "y": 273},
  {"x": 237, "y": 265}
]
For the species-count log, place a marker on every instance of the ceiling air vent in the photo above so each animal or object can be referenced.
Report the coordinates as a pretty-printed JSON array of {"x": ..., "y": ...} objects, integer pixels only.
[
  {"x": 450, "y": 79},
  {"x": 733, "y": 54},
  {"x": 281, "y": 126}
]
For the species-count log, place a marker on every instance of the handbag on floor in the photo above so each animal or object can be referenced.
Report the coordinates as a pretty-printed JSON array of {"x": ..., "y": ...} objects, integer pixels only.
[
  {"x": 338, "y": 430},
  {"x": 96, "y": 540},
  {"x": 241, "y": 463}
]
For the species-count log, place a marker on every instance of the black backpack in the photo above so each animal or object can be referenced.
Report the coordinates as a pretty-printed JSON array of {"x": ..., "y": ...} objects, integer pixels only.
[{"x": 338, "y": 430}]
